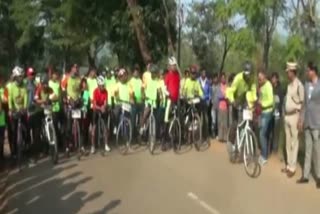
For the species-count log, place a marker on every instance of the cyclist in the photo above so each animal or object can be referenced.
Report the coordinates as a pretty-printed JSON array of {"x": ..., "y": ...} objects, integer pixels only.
[
  {"x": 44, "y": 96},
  {"x": 123, "y": 92},
  {"x": 243, "y": 90},
  {"x": 152, "y": 93},
  {"x": 17, "y": 102},
  {"x": 99, "y": 104},
  {"x": 110, "y": 83},
  {"x": 73, "y": 98},
  {"x": 92, "y": 83},
  {"x": 172, "y": 82},
  {"x": 136, "y": 85},
  {"x": 57, "y": 114}
]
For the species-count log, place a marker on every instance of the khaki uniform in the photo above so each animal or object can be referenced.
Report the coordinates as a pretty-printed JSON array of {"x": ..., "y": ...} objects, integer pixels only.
[{"x": 293, "y": 106}]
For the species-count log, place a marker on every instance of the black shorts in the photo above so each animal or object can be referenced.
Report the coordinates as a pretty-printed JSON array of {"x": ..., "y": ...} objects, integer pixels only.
[{"x": 95, "y": 116}]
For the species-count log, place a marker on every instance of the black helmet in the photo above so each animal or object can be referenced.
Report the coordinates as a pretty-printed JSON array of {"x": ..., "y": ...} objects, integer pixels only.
[
  {"x": 44, "y": 79},
  {"x": 247, "y": 67}
]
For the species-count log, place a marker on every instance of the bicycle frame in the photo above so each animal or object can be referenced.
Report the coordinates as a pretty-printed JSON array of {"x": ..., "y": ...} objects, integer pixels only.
[{"x": 242, "y": 134}]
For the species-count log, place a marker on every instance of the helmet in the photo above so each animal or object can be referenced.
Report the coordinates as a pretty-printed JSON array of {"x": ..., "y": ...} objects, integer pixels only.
[
  {"x": 17, "y": 71},
  {"x": 30, "y": 71},
  {"x": 44, "y": 79},
  {"x": 121, "y": 72},
  {"x": 172, "y": 61},
  {"x": 100, "y": 80},
  {"x": 154, "y": 68},
  {"x": 247, "y": 67}
]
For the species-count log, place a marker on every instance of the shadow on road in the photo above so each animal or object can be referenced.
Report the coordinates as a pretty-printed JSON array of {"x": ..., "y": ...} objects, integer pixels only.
[{"x": 42, "y": 190}]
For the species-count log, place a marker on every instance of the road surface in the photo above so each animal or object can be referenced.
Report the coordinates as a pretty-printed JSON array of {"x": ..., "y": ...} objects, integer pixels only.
[{"x": 192, "y": 183}]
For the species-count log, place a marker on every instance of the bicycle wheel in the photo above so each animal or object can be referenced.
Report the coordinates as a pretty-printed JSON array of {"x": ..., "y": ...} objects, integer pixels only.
[
  {"x": 102, "y": 134},
  {"x": 19, "y": 147},
  {"x": 124, "y": 136},
  {"x": 53, "y": 144},
  {"x": 196, "y": 132},
  {"x": 152, "y": 134},
  {"x": 76, "y": 137},
  {"x": 175, "y": 134},
  {"x": 232, "y": 142},
  {"x": 250, "y": 154}
]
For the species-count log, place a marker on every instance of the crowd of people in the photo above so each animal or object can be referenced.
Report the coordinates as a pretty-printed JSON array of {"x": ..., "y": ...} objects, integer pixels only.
[{"x": 221, "y": 96}]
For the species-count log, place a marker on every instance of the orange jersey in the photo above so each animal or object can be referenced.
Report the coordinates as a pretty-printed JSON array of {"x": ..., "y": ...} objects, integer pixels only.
[{"x": 64, "y": 81}]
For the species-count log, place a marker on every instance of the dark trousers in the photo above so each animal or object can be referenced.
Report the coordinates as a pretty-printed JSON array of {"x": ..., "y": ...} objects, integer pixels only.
[
  {"x": 274, "y": 130},
  {"x": 2, "y": 131}
]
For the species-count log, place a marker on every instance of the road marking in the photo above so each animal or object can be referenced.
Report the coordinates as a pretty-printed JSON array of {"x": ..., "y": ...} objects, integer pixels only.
[{"x": 203, "y": 204}]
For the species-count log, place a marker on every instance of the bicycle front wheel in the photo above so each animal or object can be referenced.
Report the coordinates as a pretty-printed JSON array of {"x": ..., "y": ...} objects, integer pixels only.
[
  {"x": 102, "y": 135},
  {"x": 175, "y": 134},
  {"x": 77, "y": 137},
  {"x": 152, "y": 134},
  {"x": 250, "y": 154},
  {"x": 53, "y": 144},
  {"x": 124, "y": 136},
  {"x": 196, "y": 130}
]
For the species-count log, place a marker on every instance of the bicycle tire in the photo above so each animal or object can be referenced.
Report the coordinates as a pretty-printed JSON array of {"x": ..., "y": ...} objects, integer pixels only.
[
  {"x": 197, "y": 132},
  {"x": 250, "y": 154},
  {"x": 19, "y": 147},
  {"x": 53, "y": 147},
  {"x": 175, "y": 134},
  {"x": 152, "y": 134},
  {"x": 102, "y": 135},
  {"x": 124, "y": 136},
  {"x": 231, "y": 146},
  {"x": 76, "y": 137}
]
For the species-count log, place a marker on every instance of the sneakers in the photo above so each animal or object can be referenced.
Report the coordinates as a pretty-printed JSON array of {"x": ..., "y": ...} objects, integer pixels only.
[
  {"x": 107, "y": 148},
  {"x": 115, "y": 130},
  {"x": 262, "y": 161},
  {"x": 92, "y": 150}
]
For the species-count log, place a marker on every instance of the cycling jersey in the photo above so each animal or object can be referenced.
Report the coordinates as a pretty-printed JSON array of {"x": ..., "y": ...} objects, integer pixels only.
[
  {"x": 192, "y": 88},
  {"x": 241, "y": 91},
  {"x": 151, "y": 92},
  {"x": 110, "y": 85},
  {"x": 172, "y": 81},
  {"x": 124, "y": 91},
  {"x": 92, "y": 85},
  {"x": 64, "y": 82},
  {"x": 99, "y": 97},
  {"x": 136, "y": 85},
  {"x": 56, "y": 90},
  {"x": 266, "y": 97},
  {"x": 85, "y": 100},
  {"x": 146, "y": 77},
  {"x": 73, "y": 88},
  {"x": 18, "y": 97}
]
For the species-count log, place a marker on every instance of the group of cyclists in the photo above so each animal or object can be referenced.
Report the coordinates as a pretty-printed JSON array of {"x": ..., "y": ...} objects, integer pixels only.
[{"x": 102, "y": 93}]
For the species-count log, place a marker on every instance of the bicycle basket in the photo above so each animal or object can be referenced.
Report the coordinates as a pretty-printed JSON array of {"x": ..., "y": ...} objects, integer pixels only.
[
  {"x": 126, "y": 107},
  {"x": 76, "y": 114},
  {"x": 247, "y": 114},
  {"x": 194, "y": 100}
]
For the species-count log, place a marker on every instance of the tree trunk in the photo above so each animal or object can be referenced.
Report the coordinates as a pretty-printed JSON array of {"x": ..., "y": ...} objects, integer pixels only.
[
  {"x": 171, "y": 48},
  {"x": 142, "y": 41},
  {"x": 266, "y": 48},
  {"x": 226, "y": 49}
]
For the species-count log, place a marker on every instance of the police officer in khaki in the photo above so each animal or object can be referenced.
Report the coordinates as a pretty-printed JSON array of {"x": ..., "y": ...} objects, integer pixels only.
[{"x": 293, "y": 105}]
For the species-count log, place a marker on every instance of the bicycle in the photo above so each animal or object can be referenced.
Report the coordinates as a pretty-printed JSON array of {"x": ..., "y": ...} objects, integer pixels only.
[
  {"x": 193, "y": 123},
  {"x": 175, "y": 130},
  {"x": 150, "y": 128},
  {"x": 101, "y": 132},
  {"x": 76, "y": 135},
  {"x": 49, "y": 133},
  {"x": 246, "y": 144},
  {"x": 21, "y": 133},
  {"x": 124, "y": 130}
]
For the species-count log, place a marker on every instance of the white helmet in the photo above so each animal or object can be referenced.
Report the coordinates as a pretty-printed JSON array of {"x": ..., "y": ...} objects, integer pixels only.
[
  {"x": 172, "y": 61},
  {"x": 100, "y": 80},
  {"x": 17, "y": 71}
]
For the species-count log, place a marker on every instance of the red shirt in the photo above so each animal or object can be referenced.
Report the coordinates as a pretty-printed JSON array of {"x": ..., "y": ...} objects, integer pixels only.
[
  {"x": 172, "y": 81},
  {"x": 100, "y": 97}
]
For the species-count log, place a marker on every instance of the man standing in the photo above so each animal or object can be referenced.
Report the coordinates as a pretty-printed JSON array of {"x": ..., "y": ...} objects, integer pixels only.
[
  {"x": 277, "y": 114},
  {"x": 293, "y": 106},
  {"x": 311, "y": 121},
  {"x": 266, "y": 103}
]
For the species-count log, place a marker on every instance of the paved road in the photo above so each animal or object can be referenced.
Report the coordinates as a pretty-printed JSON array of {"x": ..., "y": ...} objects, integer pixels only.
[{"x": 192, "y": 183}]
